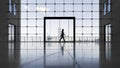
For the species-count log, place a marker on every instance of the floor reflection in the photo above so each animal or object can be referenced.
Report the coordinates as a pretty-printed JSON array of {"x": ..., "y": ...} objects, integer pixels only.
[
  {"x": 62, "y": 48},
  {"x": 108, "y": 51},
  {"x": 59, "y": 55},
  {"x": 11, "y": 52}
]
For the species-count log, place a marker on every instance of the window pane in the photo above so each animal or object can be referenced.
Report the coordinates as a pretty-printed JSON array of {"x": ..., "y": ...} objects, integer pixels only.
[
  {"x": 10, "y": 6},
  {"x": 109, "y": 5},
  {"x": 105, "y": 9},
  {"x": 15, "y": 9}
]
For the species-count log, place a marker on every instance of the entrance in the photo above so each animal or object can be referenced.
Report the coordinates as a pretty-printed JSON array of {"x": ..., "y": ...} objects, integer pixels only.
[{"x": 54, "y": 25}]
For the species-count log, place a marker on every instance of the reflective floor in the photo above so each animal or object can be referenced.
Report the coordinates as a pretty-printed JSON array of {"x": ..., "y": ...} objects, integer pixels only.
[{"x": 55, "y": 55}]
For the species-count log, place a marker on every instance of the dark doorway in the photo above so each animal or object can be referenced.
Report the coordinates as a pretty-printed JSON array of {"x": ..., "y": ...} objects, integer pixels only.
[{"x": 59, "y": 22}]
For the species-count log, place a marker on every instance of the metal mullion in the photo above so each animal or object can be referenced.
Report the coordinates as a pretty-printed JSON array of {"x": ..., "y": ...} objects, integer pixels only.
[{"x": 27, "y": 20}]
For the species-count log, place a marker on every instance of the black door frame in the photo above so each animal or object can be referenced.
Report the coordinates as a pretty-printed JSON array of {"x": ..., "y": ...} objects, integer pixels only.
[{"x": 73, "y": 18}]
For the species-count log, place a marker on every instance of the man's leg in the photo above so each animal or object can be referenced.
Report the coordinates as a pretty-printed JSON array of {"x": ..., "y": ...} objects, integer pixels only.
[
  {"x": 64, "y": 39},
  {"x": 60, "y": 39}
]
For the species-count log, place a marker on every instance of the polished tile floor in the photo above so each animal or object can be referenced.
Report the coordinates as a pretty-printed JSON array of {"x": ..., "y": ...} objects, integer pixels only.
[{"x": 55, "y": 55}]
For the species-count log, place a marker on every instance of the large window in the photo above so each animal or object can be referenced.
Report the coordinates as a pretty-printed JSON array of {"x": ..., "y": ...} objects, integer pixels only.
[
  {"x": 12, "y": 7},
  {"x": 107, "y": 7},
  {"x": 54, "y": 25},
  {"x": 86, "y": 13}
]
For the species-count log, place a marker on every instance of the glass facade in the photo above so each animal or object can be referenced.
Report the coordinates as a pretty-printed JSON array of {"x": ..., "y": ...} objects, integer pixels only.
[{"x": 86, "y": 13}]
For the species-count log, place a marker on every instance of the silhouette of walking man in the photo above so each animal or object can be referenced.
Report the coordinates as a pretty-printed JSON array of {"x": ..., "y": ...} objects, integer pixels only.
[{"x": 62, "y": 35}]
